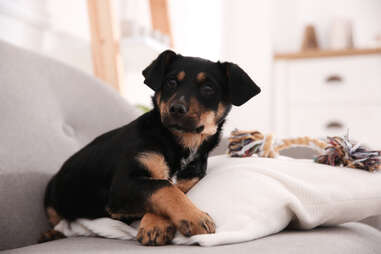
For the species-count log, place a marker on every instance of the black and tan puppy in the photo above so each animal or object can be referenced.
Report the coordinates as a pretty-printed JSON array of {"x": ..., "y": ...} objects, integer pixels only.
[{"x": 143, "y": 169}]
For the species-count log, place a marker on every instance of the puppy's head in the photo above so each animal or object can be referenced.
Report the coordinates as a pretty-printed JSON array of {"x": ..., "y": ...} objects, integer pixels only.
[{"x": 194, "y": 95}]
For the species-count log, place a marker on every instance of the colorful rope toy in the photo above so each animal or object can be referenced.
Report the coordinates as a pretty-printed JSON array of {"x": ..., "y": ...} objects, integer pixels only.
[
  {"x": 335, "y": 151},
  {"x": 342, "y": 152}
]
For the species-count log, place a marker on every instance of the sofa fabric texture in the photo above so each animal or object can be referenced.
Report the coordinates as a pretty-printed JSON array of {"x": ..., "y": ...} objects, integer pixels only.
[{"x": 351, "y": 238}]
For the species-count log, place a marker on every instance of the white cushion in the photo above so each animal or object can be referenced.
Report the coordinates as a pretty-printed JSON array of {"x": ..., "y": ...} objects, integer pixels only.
[{"x": 253, "y": 197}]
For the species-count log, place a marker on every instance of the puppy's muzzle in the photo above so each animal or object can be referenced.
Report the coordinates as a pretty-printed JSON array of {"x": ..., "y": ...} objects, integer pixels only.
[
  {"x": 178, "y": 110},
  {"x": 180, "y": 120}
]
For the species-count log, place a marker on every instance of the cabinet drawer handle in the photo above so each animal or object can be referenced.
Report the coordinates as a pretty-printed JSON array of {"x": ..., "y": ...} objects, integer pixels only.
[
  {"x": 334, "y": 79},
  {"x": 334, "y": 125}
]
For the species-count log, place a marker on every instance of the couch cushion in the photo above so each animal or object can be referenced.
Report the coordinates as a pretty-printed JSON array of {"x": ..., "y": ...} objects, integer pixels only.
[
  {"x": 47, "y": 112},
  {"x": 347, "y": 238}
]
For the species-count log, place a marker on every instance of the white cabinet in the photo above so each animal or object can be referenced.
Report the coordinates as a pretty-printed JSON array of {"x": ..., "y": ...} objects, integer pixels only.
[{"x": 325, "y": 96}]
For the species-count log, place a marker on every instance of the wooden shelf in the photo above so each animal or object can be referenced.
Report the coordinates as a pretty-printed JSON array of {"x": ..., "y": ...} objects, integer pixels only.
[{"x": 326, "y": 53}]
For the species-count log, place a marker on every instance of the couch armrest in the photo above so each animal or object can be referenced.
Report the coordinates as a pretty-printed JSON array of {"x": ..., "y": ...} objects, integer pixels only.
[{"x": 22, "y": 218}]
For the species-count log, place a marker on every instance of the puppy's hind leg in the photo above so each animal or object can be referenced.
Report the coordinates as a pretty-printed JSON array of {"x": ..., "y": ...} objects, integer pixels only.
[{"x": 51, "y": 234}]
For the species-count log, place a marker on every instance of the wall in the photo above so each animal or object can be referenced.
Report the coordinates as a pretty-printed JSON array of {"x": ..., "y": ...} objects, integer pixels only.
[
  {"x": 197, "y": 27},
  {"x": 289, "y": 18},
  {"x": 247, "y": 41},
  {"x": 56, "y": 28}
]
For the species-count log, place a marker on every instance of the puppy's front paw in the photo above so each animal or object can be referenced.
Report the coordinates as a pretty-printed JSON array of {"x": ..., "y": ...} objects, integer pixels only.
[
  {"x": 195, "y": 224},
  {"x": 155, "y": 230}
]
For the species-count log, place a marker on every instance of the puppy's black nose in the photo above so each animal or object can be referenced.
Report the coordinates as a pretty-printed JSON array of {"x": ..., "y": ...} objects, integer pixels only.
[{"x": 178, "y": 109}]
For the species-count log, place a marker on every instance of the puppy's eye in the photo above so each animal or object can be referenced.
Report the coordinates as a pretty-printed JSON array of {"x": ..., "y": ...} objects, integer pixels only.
[
  {"x": 207, "y": 90},
  {"x": 171, "y": 84}
]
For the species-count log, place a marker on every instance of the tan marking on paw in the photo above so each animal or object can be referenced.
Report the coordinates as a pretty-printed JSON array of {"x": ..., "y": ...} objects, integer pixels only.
[
  {"x": 173, "y": 203},
  {"x": 155, "y": 230}
]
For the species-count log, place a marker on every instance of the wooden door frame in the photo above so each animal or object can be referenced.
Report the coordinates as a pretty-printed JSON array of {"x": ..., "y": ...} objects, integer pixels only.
[{"x": 105, "y": 37}]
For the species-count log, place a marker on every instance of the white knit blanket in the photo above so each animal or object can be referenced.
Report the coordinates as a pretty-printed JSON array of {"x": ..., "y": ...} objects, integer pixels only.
[{"x": 253, "y": 197}]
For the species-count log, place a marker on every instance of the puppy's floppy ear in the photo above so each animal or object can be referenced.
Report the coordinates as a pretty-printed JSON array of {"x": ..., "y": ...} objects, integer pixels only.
[
  {"x": 241, "y": 87},
  {"x": 153, "y": 74}
]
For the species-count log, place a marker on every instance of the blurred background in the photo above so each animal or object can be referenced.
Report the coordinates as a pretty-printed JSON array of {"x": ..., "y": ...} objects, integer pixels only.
[{"x": 318, "y": 62}]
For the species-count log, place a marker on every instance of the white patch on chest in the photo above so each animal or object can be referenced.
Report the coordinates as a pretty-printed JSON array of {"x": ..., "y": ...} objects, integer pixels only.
[
  {"x": 184, "y": 163},
  {"x": 187, "y": 160}
]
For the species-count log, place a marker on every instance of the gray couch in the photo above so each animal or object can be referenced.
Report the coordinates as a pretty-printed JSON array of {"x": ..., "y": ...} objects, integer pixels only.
[{"x": 47, "y": 112}]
